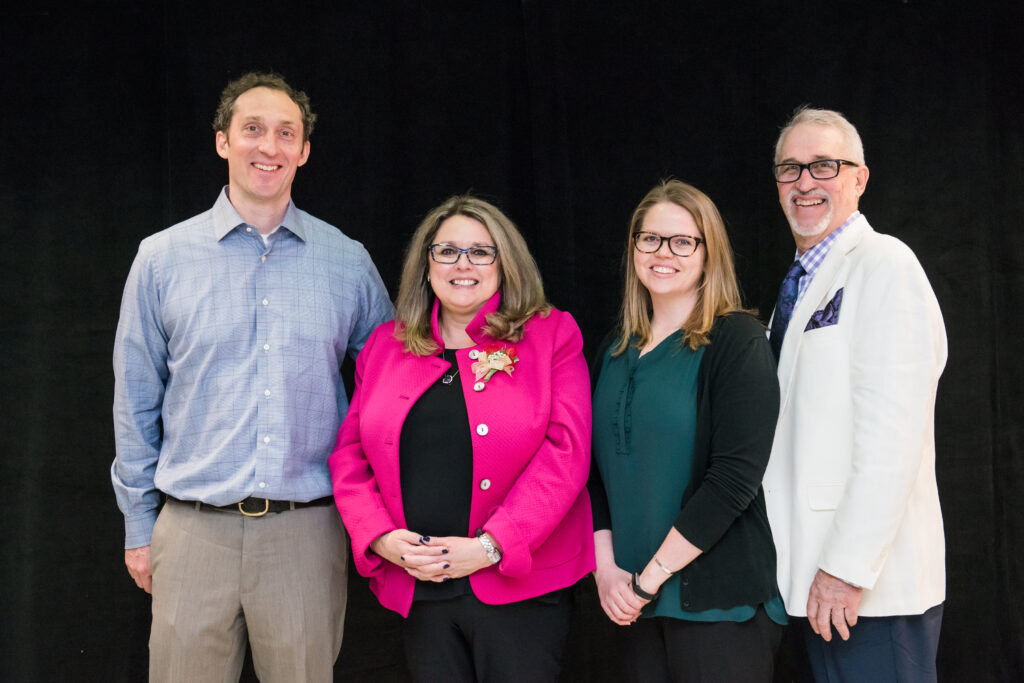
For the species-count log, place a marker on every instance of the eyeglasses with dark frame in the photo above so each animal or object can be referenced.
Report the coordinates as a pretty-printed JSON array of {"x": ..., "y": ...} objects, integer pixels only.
[
  {"x": 478, "y": 254},
  {"x": 680, "y": 245},
  {"x": 822, "y": 169}
]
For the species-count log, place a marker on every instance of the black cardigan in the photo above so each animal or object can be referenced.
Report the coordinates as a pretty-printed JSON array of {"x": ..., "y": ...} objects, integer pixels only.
[{"x": 723, "y": 510}]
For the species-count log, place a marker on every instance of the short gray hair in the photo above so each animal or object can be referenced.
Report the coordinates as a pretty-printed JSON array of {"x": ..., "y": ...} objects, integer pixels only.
[{"x": 824, "y": 117}]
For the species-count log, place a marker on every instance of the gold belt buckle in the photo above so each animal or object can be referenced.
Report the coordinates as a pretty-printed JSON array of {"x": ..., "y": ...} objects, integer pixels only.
[{"x": 266, "y": 509}]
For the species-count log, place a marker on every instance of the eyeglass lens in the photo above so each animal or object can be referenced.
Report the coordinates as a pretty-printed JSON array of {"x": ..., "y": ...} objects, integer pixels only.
[
  {"x": 680, "y": 245},
  {"x": 477, "y": 255},
  {"x": 819, "y": 170}
]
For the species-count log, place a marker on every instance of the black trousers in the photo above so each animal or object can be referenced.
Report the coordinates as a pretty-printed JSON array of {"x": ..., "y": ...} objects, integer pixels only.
[
  {"x": 665, "y": 649},
  {"x": 463, "y": 639}
]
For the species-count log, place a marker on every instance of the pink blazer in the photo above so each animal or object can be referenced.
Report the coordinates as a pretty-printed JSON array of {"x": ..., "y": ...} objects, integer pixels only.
[{"x": 531, "y": 458}]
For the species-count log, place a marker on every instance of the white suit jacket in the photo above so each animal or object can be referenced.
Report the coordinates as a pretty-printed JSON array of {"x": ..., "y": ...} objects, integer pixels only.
[{"x": 850, "y": 486}]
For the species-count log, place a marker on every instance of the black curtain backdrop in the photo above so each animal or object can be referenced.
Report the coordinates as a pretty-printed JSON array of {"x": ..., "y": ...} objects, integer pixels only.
[{"x": 564, "y": 113}]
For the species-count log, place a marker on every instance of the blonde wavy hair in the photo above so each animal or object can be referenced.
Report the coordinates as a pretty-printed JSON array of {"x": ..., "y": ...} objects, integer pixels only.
[
  {"x": 718, "y": 293},
  {"x": 522, "y": 292}
]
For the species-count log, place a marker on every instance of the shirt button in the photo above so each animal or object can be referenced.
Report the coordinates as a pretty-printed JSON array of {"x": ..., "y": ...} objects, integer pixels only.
[
  {"x": 481, "y": 430},
  {"x": 266, "y": 347},
  {"x": 479, "y": 386},
  {"x": 485, "y": 484},
  {"x": 474, "y": 354},
  {"x": 248, "y": 229},
  {"x": 263, "y": 484},
  {"x": 265, "y": 302},
  {"x": 266, "y": 392},
  {"x": 263, "y": 258},
  {"x": 266, "y": 439}
]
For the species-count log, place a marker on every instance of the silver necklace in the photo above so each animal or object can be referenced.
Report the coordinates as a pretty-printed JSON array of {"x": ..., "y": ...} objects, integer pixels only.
[{"x": 449, "y": 378}]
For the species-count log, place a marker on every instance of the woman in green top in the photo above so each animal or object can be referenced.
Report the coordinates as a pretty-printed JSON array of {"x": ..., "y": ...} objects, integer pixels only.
[{"x": 684, "y": 413}]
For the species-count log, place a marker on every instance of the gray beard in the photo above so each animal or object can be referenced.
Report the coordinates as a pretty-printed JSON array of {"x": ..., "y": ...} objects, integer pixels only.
[{"x": 813, "y": 230}]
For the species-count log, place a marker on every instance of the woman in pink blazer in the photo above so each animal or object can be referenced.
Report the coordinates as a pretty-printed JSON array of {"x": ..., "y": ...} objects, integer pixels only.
[{"x": 461, "y": 466}]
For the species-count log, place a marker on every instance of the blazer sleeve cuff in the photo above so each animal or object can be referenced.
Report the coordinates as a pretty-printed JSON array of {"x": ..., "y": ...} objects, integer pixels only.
[
  {"x": 516, "y": 558},
  {"x": 854, "y": 572},
  {"x": 362, "y": 534}
]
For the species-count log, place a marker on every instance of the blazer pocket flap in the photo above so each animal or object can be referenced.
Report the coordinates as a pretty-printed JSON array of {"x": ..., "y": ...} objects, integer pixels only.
[{"x": 824, "y": 496}]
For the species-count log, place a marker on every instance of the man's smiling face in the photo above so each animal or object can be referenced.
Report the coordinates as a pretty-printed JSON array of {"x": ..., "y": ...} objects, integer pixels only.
[
  {"x": 815, "y": 208},
  {"x": 264, "y": 147}
]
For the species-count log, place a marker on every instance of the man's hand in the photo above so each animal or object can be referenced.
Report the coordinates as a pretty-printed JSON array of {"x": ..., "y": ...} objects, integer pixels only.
[
  {"x": 832, "y": 601},
  {"x": 137, "y": 561}
]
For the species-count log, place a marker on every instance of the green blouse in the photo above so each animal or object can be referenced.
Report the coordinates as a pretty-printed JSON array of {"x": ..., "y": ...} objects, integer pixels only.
[{"x": 645, "y": 414}]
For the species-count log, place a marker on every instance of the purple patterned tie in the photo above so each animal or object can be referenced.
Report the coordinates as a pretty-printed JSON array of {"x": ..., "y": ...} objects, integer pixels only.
[{"x": 784, "y": 306}]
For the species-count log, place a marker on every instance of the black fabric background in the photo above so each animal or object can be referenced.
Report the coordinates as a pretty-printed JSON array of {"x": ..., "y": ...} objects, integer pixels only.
[{"x": 565, "y": 113}]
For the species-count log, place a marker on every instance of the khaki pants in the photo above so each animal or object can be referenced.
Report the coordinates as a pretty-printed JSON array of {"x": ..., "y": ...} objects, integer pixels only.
[{"x": 217, "y": 576}]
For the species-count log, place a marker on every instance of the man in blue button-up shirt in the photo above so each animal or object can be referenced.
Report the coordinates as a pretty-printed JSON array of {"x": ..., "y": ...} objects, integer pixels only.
[{"x": 228, "y": 399}]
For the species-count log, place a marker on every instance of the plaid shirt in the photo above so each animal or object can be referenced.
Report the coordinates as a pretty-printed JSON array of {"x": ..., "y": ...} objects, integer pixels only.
[{"x": 812, "y": 259}]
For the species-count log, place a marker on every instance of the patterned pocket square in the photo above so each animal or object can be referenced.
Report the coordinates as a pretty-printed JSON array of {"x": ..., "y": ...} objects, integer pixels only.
[{"x": 828, "y": 315}]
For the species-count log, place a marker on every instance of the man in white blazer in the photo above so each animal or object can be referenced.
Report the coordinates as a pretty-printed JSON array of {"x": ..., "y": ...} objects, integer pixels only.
[{"x": 850, "y": 486}]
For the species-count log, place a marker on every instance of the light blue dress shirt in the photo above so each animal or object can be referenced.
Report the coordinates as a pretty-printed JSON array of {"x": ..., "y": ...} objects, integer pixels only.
[{"x": 227, "y": 358}]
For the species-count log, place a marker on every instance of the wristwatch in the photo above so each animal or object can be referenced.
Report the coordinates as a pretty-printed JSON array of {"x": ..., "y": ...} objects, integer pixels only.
[
  {"x": 634, "y": 583},
  {"x": 493, "y": 554}
]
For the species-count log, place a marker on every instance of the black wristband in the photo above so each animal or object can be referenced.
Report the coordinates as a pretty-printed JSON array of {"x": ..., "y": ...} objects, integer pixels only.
[{"x": 634, "y": 583}]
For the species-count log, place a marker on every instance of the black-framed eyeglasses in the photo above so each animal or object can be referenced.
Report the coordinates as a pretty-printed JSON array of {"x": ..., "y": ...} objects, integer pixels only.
[
  {"x": 680, "y": 245},
  {"x": 478, "y": 255},
  {"x": 822, "y": 169}
]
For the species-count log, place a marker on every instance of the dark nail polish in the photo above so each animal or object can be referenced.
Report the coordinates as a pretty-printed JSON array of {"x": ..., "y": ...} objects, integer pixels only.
[
  {"x": 425, "y": 539},
  {"x": 445, "y": 551},
  {"x": 402, "y": 558},
  {"x": 446, "y": 566}
]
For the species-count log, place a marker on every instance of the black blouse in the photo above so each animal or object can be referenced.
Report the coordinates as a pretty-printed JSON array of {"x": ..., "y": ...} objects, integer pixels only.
[{"x": 436, "y": 463}]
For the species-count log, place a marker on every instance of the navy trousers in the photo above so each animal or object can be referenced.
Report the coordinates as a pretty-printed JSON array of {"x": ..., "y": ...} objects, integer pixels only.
[{"x": 898, "y": 649}]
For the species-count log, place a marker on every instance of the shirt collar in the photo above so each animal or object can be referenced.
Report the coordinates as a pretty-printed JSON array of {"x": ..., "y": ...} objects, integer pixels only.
[
  {"x": 475, "y": 327},
  {"x": 813, "y": 257},
  {"x": 226, "y": 218}
]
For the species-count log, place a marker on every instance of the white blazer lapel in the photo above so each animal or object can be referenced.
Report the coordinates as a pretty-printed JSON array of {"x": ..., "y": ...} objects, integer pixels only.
[{"x": 824, "y": 279}]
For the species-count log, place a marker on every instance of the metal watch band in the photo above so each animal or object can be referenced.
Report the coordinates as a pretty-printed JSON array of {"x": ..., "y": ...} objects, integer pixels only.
[{"x": 493, "y": 554}]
